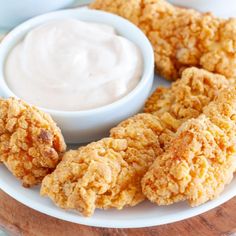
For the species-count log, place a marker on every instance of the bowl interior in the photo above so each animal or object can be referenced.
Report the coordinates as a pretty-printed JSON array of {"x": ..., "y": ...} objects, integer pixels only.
[{"x": 122, "y": 26}]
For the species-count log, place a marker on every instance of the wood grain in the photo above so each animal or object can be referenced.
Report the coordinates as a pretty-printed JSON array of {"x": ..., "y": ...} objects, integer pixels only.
[{"x": 18, "y": 219}]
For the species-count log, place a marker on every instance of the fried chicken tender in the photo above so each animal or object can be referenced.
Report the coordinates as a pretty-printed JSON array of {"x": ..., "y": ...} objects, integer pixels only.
[
  {"x": 201, "y": 159},
  {"x": 185, "y": 99},
  {"x": 30, "y": 141},
  {"x": 106, "y": 173},
  {"x": 180, "y": 37},
  {"x": 188, "y": 95}
]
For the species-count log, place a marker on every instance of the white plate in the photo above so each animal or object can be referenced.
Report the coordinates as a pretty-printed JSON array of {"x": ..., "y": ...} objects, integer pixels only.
[{"x": 142, "y": 215}]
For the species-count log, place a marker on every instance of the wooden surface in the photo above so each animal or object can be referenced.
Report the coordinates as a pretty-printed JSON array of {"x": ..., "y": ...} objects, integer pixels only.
[{"x": 17, "y": 219}]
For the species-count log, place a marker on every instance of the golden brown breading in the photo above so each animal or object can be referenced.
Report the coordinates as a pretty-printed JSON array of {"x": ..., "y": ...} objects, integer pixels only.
[
  {"x": 187, "y": 96},
  {"x": 180, "y": 37},
  {"x": 106, "y": 173},
  {"x": 30, "y": 141},
  {"x": 185, "y": 99},
  {"x": 77, "y": 182},
  {"x": 201, "y": 160}
]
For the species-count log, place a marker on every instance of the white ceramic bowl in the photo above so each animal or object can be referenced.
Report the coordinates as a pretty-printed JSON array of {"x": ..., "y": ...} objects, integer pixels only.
[
  {"x": 14, "y": 12},
  {"x": 84, "y": 126},
  {"x": 221, "y": 8}
]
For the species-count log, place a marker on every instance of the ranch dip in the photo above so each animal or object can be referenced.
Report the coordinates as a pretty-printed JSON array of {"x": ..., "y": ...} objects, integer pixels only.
[{"x": 71, "y": 65}]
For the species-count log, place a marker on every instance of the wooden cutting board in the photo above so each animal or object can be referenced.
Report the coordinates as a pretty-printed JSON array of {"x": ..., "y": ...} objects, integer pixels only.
[{"x": 17, "y": 219}]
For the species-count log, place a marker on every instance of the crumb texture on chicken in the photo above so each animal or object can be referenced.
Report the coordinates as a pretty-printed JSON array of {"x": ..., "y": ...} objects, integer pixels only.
[
  {"x": 201, "y": 159},
  {"x": 185, "y": 99},
  {"x": 180, "y": 37},
  {"x": 106, "y": 173},
  {"x": 30, "y": 141},
  {"x": 188, "y": 95}
]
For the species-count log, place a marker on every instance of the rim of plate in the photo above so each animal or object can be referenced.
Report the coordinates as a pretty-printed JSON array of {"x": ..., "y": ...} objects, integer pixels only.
[{"x": 112, "y": 222}]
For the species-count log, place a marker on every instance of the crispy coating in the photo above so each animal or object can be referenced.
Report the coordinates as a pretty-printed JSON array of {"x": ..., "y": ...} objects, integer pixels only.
[
  {"x": 180, "y": 37},
  {"x": 30, "y": 141},
  {"x": 185, "y": 99},
  {"x": 201, "y": 159},
  {"x": 187, "y": 96},
  {"x": 106, "y": 173}
]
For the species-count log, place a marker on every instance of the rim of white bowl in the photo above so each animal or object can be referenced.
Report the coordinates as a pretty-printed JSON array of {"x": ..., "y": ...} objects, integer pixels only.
[{"x": 148, "y": 70}]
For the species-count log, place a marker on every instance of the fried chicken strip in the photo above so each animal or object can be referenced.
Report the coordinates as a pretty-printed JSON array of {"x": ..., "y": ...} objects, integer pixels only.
[
  {"x": 180, "y": 37},
  {"x": 30, "y": 141},
  {"x": 185, "y": 99},
  {"x": 201, "y": 160},
  {"x": 108, "y": 173}
]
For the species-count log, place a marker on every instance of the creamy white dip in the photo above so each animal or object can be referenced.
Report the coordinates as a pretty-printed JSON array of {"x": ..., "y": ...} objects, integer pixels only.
[{"x": 72, "y": 65}]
